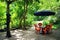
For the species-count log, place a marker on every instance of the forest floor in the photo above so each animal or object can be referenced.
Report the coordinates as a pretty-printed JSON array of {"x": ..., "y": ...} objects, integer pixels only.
[{"x": 30, "y": 35}]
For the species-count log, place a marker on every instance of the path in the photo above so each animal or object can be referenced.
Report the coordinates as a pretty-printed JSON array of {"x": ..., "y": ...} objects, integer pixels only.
[{"x": 30, "y": 35}]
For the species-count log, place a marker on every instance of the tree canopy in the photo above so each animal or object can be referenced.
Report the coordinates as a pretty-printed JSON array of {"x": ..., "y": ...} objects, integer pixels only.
[{"x": 17, "y": 10}]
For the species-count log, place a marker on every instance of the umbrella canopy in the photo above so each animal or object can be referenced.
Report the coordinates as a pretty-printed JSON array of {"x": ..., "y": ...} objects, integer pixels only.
[{"x": 44, "y": 13}]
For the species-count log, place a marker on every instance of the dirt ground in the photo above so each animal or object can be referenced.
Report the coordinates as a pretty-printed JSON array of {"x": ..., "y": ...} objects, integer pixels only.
[{"x": 30, "y": 35}]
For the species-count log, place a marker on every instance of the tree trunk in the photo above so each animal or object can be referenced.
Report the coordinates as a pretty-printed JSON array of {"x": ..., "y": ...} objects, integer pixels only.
[
  {"x": 8, "y": 34},
  {"x": 25, "y": 12},
  {"x": 20, "y": 23},
  {"x": 23, "y": 18}
]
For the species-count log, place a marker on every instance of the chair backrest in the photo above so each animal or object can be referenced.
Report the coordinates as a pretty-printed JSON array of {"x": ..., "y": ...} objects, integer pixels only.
[
  {"x": 39, "y": 24},
  {"x": 49, "y": 27},
  {"x": 35, "y": 25}
]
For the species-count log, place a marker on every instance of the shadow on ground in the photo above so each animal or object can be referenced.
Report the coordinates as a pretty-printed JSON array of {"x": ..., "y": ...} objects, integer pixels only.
[{"x": 30, "y": 35}]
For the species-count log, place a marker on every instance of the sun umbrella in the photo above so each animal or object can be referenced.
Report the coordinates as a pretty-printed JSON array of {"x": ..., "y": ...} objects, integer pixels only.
[{"x": 44, "y": 13}]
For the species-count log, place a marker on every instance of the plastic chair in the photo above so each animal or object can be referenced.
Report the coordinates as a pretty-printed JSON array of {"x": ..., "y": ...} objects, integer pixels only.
[
  {"x": 44, "y": 30},
  {"x": 49, "y": 28},
  {"x": 37, "y": 29}
]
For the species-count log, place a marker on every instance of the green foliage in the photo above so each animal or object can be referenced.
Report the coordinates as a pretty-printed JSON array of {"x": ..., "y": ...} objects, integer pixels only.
[{"x": 17, "y": 11}]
